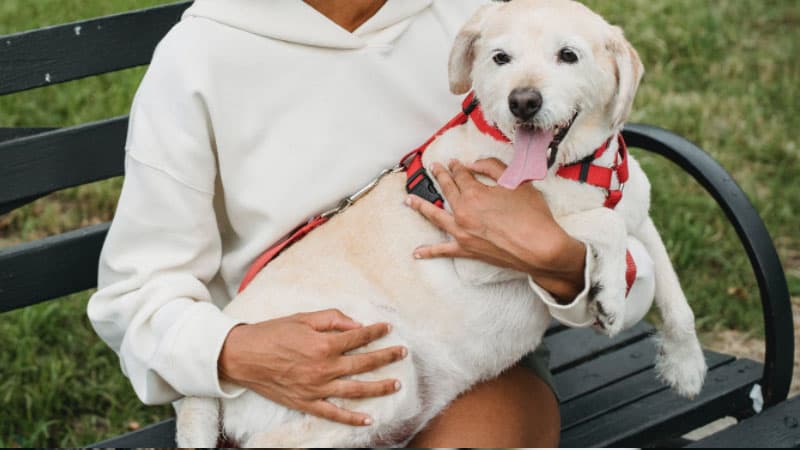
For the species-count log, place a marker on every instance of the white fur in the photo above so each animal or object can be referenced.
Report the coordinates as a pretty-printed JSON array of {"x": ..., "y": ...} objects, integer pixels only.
[
  {"x": 465, "y": 321},
  {"x": 198, "y": 421}
]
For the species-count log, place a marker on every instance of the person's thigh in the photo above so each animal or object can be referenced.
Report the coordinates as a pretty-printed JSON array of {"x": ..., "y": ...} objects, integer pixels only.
[{"x": 516, "y": 409}]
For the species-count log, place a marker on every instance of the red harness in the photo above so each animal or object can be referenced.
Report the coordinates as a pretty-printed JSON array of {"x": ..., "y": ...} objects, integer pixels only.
[
  {"x": 419, "y": 183},
  {"x": 586, "y": 172}
]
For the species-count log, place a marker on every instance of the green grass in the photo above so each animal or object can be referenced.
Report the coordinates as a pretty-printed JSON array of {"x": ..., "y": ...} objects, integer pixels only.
[
  {"x": 59, "y": 384},
  {"x": 725, "y": 74}
]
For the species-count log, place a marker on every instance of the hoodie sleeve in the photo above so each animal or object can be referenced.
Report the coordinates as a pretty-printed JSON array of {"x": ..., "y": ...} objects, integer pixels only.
[
  {"x": 153, "y": 306},
  {"x": 638, "y": 300}
]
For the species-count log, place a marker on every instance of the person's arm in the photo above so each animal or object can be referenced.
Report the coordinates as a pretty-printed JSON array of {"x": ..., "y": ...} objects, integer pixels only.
[
  {"x": 154, "y": 307},
  {"x": 575, "y": 312},
  {"x": 515, "y": 229}
]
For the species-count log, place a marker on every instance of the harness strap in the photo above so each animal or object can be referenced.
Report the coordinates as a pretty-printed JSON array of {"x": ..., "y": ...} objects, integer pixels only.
[
  {"x": 630, "y": 271},
  {"x": 419, "y": 183},
  {"x": 586, "y": 171}
]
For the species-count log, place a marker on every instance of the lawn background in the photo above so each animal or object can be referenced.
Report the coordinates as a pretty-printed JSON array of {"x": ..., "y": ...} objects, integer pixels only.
[{"x": 723, "y": 73}]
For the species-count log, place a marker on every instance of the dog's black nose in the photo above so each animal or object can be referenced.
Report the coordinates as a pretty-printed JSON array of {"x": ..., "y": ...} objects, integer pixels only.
[{"x": 525, "y": 103}]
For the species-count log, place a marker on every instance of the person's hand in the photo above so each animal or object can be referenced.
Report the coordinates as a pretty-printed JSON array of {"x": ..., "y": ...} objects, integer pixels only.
[
  {"x": 506, "y": 228},
  {"x": 296, "y": 361}
]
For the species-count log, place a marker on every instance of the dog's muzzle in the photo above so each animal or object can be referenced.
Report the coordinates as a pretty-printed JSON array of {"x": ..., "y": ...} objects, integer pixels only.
[{"x": 552, "y": 151}]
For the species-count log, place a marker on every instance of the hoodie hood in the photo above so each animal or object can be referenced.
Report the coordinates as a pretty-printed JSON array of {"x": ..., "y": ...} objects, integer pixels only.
[{"x": 297, "y": 22}]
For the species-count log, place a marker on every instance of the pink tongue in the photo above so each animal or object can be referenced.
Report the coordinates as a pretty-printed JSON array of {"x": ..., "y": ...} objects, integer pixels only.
[{"x": 530, "y": 158}]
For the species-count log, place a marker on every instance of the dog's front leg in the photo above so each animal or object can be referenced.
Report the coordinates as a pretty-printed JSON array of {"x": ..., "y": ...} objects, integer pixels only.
[
  {"x": 680, "y": 361},
  {"x": 605, "y": 233},
  {"x": 197, "y": 422}
]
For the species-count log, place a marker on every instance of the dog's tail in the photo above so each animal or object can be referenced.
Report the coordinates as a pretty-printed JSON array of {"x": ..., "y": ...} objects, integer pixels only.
[
  {"x": 198, "y": 424},
  {"x": 680, "y": 361}
]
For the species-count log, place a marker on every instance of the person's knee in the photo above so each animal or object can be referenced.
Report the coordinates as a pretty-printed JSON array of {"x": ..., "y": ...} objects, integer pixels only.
[
  {"x": 534, "y": 409},
  {"x": 517, "y": 409}
]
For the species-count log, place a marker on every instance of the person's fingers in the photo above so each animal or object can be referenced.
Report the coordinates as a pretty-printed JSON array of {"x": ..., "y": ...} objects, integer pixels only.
[
  {"x": 435, "y": 215},
  {"x": 353, "y": 339},
  {"x": 327, "y": 410},
  {"x": 446, "y": 249},
  {"x": 329, "y": 320},
  {"x": 367, "y": 362},
  {"x": 454, "y": 249},
  {"x": 361, "y": 389},
  {"x": 446, "y": 184},
  {"x": 462, "y": 176},
  {"x": 491, "y": 167}
]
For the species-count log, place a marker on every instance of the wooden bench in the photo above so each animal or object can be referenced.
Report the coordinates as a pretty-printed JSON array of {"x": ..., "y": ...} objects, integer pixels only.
[{"x": 610, "y": 396}]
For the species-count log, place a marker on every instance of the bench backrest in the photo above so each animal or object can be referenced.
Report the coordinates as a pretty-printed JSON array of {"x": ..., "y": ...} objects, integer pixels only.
[{"x": 37, "y": 161}]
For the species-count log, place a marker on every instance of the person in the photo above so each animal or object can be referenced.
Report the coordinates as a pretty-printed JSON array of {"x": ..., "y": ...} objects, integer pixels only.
[{"x": 252, "y": 117}]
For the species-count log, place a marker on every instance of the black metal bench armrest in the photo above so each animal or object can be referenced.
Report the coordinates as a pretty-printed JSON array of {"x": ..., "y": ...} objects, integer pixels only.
[{"x": 775, "y": 301}]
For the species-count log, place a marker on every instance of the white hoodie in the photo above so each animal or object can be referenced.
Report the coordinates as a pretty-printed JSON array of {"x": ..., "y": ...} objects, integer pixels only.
[{"x": 253, "y": 116}]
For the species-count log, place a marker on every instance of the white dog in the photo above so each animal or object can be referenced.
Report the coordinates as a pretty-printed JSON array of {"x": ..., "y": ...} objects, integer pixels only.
[{"x": 558, "y": 81}]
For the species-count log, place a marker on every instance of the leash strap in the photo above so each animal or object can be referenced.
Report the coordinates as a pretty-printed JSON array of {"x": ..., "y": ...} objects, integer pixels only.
[
  {"x": 419, "y": 183},
  {"x": 276, "y": 249}
]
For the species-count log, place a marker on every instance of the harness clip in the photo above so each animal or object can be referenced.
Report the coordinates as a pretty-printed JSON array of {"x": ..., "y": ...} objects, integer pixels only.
[{"x": 421, "y": 185}]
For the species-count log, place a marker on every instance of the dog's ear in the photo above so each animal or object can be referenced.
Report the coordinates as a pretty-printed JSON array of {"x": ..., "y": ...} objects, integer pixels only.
[
  {"x": 462, "y": 55},
  {"x": 628, "y": 71}
]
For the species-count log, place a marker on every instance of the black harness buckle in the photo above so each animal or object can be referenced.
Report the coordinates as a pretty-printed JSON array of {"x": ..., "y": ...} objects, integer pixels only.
[
  {"x": 472, "y": 105},
  {"x": 421, "y": 185}
]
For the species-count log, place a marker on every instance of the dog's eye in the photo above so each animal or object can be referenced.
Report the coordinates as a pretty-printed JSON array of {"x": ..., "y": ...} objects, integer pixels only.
[
  {"x": 567, "y": 55},
  {"x": 501, "y": 58}
]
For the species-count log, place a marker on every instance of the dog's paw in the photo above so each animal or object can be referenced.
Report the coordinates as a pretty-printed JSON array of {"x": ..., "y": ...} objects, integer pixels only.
[
  {"x": 681, "y": 365},
  {"x": 197, "y": 422},
  {"x": 608, "y": 310}
]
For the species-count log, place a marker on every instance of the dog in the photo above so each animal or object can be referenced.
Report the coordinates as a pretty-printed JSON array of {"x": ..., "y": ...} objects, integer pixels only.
[{"x": 559, "y": 81}]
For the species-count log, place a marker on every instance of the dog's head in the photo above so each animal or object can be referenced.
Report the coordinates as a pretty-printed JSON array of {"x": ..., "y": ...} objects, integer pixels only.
[{"x": 544, "y": 71}]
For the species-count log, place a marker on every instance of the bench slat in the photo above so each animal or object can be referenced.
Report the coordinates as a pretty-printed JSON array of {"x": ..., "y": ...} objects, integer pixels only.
[
  {"x": 51, "y": 267},
  {"x": 554, "y": 327},
  {"x": 157, "y": 435},
  {"x": 76, "y": 50},
  {"x": 605, "y": 370},
  {"x": 7, "y": 134},
  {"x": 776, "y": 427},
  {"x": 572, "y": 346},
  {"x": 665, "y": 414},
  {"x": 10, "y": 206},
  {"x": 36, "y": 165},
  {"x": 587, "y": 405}
]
